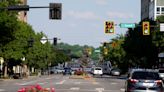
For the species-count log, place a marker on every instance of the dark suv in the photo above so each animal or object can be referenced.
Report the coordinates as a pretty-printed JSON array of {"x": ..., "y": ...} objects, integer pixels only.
[
  {"x": 144, "y": 80},
  {"x": 67, "y": 71}
]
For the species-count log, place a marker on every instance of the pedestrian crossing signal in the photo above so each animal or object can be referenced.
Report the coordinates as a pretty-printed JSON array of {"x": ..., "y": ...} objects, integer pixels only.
[
  {"x": 109, "y": 27},
  {"x": 146, "y": 28}
]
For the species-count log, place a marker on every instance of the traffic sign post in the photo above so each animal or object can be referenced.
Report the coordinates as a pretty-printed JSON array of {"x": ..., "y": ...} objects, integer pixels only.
[{"x": 127, "y": 25}]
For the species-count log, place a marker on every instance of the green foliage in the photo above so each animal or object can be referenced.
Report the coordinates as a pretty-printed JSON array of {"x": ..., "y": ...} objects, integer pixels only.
[
  {"x": 142, "y": 51},
  {"x": 116, "y": 53}
]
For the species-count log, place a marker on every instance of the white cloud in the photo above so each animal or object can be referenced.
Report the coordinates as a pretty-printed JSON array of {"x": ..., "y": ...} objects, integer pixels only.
[
  {"x": 82, "y": 15},
  {"x": 120, "y": 15},
  {"x": 101, "y": 2}
]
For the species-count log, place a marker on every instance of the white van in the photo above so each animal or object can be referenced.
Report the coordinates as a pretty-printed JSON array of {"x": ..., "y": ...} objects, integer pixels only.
[{"x": 97, "y": 71}]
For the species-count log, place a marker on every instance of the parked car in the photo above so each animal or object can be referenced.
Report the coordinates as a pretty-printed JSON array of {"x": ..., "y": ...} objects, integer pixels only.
[
  {"x": 144, "y": 80},
  {"x": 97, "y": 71},
  {"x": 161, "y": 73},
  {"x": 116, "y": 72},
  {"x": 67, "y": 71},
  {"x": 59, "y": 70}
]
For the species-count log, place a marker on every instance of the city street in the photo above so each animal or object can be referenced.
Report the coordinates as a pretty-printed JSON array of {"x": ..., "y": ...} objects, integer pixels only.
[{"x": 67, "y": 84}]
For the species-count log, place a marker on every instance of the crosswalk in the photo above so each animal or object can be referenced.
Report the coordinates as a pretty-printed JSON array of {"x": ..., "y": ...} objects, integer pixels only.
[{"x": 88, "y": 90}]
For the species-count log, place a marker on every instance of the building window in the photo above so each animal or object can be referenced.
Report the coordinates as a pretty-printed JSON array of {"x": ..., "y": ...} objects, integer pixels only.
[
  {"x": 158, "y": 10},
  {"x": 162, "y": 10}
]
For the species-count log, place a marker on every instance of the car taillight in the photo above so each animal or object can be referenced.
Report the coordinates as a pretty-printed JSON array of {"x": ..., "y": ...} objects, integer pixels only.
[
  {"x": 158, "y": 82},
  {"x": 133, "y": 80}
]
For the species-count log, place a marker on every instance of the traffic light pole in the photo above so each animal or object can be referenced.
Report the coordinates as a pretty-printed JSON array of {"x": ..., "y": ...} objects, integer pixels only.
[
  {"x": 22, "y": 8},
  {"x": 55, "y": 9}
]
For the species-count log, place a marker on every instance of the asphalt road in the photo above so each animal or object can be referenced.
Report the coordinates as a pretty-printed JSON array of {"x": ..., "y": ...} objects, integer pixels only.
[{"x": 66, "y": 84}]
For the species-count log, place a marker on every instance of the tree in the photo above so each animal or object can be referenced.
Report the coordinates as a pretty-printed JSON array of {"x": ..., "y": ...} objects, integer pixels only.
[
  {"x": 116, "y": 53},
  {"x": 141, "y": 52}
]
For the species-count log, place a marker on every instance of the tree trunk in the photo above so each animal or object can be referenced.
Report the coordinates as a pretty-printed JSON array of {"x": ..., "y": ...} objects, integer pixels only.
[
  {"x": 5, "y": 71},
  {"x": 25, "y": 71}
]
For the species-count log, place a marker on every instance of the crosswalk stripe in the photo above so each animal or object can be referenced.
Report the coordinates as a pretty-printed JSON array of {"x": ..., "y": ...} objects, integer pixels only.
[
  {"x": 74, "y": 88},
  {"x": 122, "y": 89},
  {"x": 1, "y": 90}
]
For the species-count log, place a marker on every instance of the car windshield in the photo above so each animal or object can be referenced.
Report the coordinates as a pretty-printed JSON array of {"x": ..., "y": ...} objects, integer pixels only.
[{"x": 145, "y": 75}]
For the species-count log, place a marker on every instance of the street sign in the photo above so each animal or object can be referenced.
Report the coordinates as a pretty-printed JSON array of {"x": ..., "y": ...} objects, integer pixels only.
[
  {"x": 98, "y": 51},
  {"x": 127, "y": 25}
]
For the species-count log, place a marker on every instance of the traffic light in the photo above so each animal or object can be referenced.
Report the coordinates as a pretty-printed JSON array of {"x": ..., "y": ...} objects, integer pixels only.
[
  {"x": 55, "y": 41},
  {"x": 114, "y": 44},
  {"x": 30, "y": 42},
  {"x": 55, "y": 11},
  {"x": 146, "y": 28},
  {"x": 105, "y": 51},
  {"x": 104, "y": 44},
  {"x": 89, "y": 51},
  {"x": 109, "y": 27}
]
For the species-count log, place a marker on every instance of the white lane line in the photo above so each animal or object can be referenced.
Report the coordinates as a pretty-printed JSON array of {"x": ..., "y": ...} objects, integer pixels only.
[
  {"x": 74, "y": 88},
  {"x": 122, "y": 89},
  {"x": 26, "y": 83},
  {"x": 1, "y": 90},
  {"x": 50, "y": 78},
  {"x": 113, "y": 83},
  {"x": 61, "y": 82},
  {"x": 99, "y": 89},
  {"x": 42, "y": 83}
]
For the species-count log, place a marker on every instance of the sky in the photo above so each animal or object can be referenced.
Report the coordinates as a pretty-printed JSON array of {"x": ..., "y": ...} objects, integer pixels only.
[{"x": 83, "y": 21}]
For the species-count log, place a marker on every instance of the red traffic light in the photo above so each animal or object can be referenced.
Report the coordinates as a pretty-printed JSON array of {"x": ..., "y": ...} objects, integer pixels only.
[
  {"x": 146, "y": 28},
  {"x": 109, "y": 27}
]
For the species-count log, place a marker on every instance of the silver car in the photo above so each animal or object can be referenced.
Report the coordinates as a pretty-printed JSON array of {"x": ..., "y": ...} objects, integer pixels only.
[
  {"x": 116, "y": 72},
  {"x": 144, "y": 81}
]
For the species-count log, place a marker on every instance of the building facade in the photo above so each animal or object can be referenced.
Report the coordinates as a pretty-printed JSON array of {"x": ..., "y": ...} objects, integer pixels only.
[
  {"x": 22, "y": 15},
  {"x": 150, "y": 9}
]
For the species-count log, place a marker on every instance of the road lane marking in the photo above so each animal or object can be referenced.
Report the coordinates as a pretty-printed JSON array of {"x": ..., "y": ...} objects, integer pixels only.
[
  {"x": 122, "y": 89},
  {"x": 50, "y": 78},
  {"x": 99, "y": 89},
  {"x": 95, "y": 83},
  {"x": 77, "y": 83},
  {"x": 61, "y": 82},
  {"x": 86, "y": 90},
  {"x": 42, "y": 83},
  {"x": 26, "y": 83},
  {"x": 74, "y": 88},
  {"x": 113, "y": 83},
  {"x": 1, "y": 90}
]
